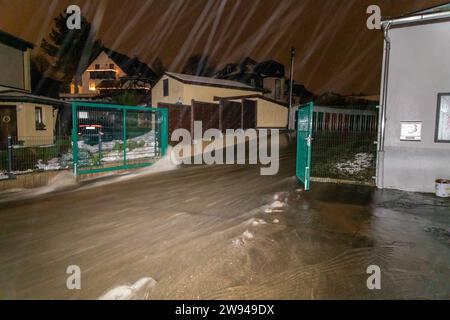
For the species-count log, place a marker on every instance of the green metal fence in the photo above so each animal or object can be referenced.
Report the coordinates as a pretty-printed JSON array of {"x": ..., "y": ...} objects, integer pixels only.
[
  {"x": 113, "y": 137},
  {"x": 344, "y": 155},
  {"x": 26, "y": 154}
]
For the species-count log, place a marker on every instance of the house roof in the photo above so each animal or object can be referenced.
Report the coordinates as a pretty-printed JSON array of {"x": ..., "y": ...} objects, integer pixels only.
[
  {"x": 210, "y": 82},
  {"x": 131, "y": 66},
  {"x": 21, "y": 96},
  {"x": 14, "y": 41},
  {"x": 270, "y": 68}
]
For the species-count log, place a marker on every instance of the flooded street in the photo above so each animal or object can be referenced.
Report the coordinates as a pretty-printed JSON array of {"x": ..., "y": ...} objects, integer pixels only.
[{"x": 225, "y": 232}]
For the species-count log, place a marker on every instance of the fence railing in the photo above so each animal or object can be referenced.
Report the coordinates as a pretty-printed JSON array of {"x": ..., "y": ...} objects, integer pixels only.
[
  {"x": 26, "y": 154},
  {"x": 344, "y": 155},
  {"x": 113, "y": 137}
]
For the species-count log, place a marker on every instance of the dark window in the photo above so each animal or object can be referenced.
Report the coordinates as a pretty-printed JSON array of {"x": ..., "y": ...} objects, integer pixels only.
[
  {"x": 443, "y": 118},
  {"x": 38, "y": 118},
  {"x": 166, "y": 87},
  {"x": 97, "y": 66},
  {"x": 103, "y": 75},
  {"x": 111, "y": 65},
  {"x": 277, "y": 89}
]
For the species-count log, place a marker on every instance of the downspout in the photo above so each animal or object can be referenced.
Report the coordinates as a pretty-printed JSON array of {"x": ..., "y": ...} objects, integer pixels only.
[{"x": 382, "y": 110}]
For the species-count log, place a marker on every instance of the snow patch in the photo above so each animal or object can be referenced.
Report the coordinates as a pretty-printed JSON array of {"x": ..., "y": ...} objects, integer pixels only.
[
  {"x": 140, "y": 290},
  {"x": 257, "y": 222},
  {"x": 361, "y": 162}
]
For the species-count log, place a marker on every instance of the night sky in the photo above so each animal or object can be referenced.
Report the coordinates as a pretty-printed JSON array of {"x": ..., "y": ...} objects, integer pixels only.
[{"x": 335, "y": 50}]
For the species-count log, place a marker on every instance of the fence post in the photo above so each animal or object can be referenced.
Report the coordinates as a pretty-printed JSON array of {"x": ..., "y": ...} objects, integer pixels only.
[
  {"x": 10, "y": 151},
  {"x": 164, "y": 131},
  {"x": 100, "y": 148},
  {"x": 124, "y": 136},
  {"x": 74, "y": 139}
]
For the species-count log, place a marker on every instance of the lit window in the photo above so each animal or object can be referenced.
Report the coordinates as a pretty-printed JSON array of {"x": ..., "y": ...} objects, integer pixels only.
[
  {"x": 443, "y": 118},
  {"x": 92, "y": 86}
]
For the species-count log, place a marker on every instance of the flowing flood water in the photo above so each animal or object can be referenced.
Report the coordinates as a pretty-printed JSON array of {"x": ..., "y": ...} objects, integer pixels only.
[{"x": 224, "y": 232}]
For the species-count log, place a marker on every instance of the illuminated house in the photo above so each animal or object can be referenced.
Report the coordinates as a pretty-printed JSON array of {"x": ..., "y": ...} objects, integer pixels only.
[{"x": 109, "y": 74}]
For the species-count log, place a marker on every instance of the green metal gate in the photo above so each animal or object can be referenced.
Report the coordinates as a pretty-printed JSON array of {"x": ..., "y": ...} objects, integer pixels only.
[
  {"x": 109, "y": 137},
  {"x": 304, "y": 118}
]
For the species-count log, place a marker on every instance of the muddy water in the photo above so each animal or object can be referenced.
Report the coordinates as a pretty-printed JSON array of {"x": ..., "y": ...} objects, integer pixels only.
[{"x": 225, "y": 232}]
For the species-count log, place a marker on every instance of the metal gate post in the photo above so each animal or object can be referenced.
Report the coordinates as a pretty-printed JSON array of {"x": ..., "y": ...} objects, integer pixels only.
[
  {"x": 10, "y": 152},
  {"x": 124, "y": 137},
  {"x": 164, "y": 131},
  {"x": 74, "y": 139}
]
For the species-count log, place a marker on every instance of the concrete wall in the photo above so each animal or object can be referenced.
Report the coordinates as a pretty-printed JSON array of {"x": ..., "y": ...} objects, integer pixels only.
[{"x": 419, "y": 70}]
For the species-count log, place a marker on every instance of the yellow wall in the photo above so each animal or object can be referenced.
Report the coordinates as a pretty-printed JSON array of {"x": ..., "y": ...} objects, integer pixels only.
[
  {"x": 176, "y": 92},
  {"x": 26, "y": 126},
  {"x": 270, "y": 114},
  {"x": 185, "y": 93},
  {"x": 207, "y": 94}
]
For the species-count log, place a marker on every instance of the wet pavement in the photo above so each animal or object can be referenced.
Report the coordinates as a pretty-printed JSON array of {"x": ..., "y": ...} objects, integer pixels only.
[{"x": 225, "y": 232}]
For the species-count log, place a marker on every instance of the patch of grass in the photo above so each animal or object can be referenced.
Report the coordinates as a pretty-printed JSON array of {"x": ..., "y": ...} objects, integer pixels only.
[{"x": 331, "y": 148}]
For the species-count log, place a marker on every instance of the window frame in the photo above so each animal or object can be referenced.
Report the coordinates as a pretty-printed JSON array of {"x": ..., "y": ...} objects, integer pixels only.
[
  {"x": 277, "y": 94},
  {"x": 166, "y": 87},
  {"x": 39, "y": 125},
  {"x": 438, "y": 112}
]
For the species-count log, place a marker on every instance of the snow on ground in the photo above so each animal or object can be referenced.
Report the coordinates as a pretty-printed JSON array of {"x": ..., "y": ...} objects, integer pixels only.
[
  {"x": 52, "y": 164},
  {"x": 361, "y": 162},
  {"x": 110, "y": 153},
  {"x": 148, "y": 138},
  {"x": 138, "y": 291}
]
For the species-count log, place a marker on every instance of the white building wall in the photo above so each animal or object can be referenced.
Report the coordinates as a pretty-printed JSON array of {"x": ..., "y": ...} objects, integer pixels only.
[{"x": 419, "y": 69}]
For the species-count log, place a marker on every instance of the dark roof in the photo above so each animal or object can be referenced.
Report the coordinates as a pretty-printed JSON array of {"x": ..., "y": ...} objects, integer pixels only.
[
  {"x": 435, "y": 9},
  {"x": 210, "y": 82},
  {"x": 14, "y": 41},
  {"x": 270, "y": 68},
  {"x": 131, "y": 66},
  {"x": 252, "y": 96},
  {"x": 20, "y": 96}
]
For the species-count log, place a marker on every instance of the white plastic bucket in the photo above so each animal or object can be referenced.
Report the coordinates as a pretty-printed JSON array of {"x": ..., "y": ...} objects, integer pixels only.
[{"x": 443, "y": 188}]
